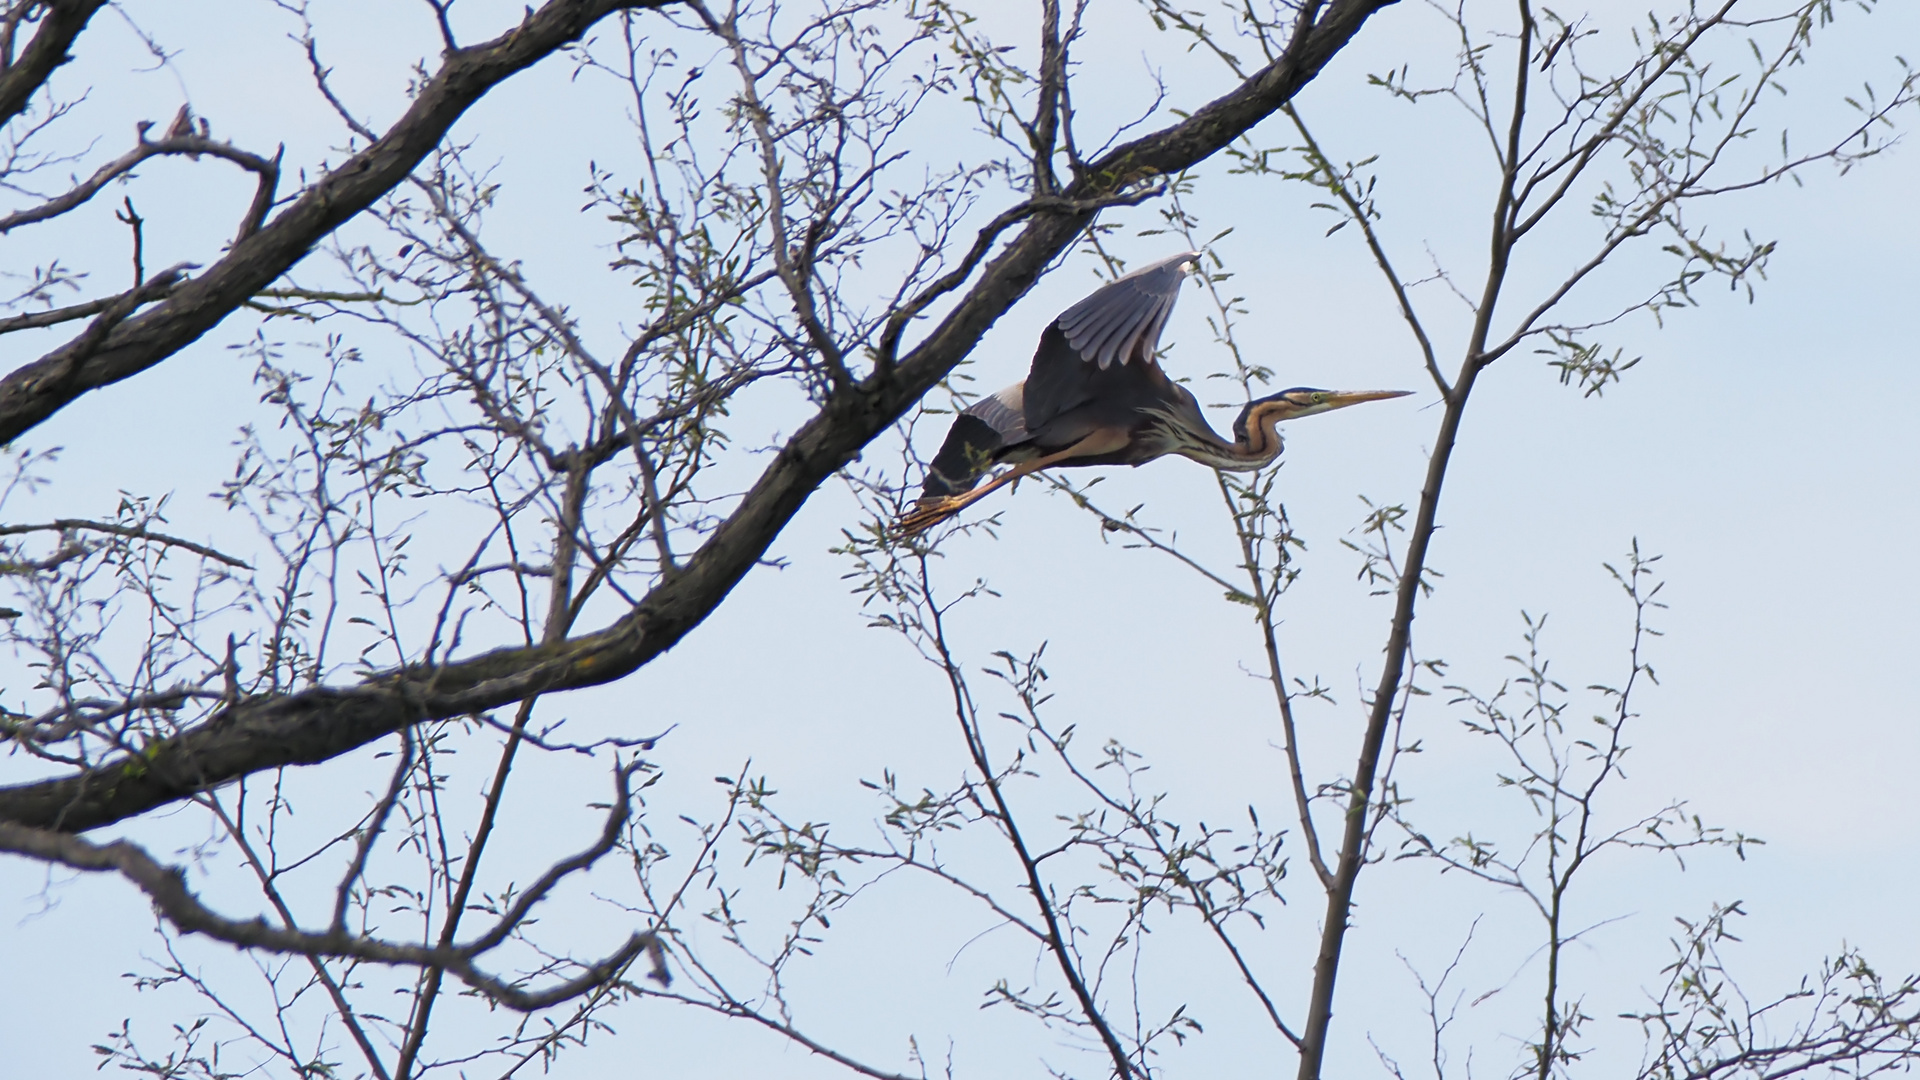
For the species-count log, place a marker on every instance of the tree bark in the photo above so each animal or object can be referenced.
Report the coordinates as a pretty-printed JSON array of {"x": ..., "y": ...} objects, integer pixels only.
[
  {"x": 35, "y": 391},
  {"x": 316, "y": 725}
]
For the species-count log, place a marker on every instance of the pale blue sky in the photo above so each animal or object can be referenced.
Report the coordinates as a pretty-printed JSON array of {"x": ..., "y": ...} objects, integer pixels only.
[{"x": 1766, "y": 450}]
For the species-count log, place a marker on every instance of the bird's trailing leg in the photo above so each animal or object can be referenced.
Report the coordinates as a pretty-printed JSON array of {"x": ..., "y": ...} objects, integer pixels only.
[{"x": 930, "y": 512}]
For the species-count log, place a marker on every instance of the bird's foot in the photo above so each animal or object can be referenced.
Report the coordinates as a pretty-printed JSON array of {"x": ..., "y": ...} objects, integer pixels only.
[{"x": 927, "y": 513}]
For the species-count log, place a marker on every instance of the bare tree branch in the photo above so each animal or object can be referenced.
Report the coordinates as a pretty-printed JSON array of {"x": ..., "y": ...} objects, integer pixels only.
[
  {"x": 37, "y": 390},
  {"x": 316, "y": 725},
  {"x": 154, "y": 288},
  {"x": 268, "y": 170},
  {"x": 167, "y": 887},
  {"x": 131, "y": 532},
  {"x": 59, "y": 26}
]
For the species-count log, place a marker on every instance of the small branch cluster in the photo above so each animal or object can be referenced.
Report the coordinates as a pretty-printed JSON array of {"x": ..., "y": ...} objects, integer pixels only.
[{"x": 167, "y": 887}]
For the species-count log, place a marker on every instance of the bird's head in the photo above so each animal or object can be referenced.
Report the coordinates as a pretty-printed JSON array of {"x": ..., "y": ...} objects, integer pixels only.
[{"x": 1303, "y": 401}]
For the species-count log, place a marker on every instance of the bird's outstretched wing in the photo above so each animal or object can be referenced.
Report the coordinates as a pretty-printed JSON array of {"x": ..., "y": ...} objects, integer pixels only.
[
  {"x": 1122, "y": 320},
  {"x": 1100, "y": 349},
  {"x": 1096, "y": 340}
]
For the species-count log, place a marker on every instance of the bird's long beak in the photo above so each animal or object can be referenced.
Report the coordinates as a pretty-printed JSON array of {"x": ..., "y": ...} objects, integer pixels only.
[
  {"x": 1293, "y": 404},
  {"x": 1340, "y": 399}
]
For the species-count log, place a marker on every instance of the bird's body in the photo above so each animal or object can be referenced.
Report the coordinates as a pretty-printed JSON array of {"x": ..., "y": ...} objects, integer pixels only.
[{"x": 1096, "y": 396}]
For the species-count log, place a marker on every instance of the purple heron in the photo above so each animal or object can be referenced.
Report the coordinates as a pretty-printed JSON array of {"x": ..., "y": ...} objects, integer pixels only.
[{"x": 1097, "y": 396}]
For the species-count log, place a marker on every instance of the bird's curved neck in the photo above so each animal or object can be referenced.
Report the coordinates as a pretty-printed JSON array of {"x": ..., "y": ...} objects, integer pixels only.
[
  {"x": 1262, "y": 442},
  {"x": 1260, "y": 446},
  {"x": 1183, "y": 430}
]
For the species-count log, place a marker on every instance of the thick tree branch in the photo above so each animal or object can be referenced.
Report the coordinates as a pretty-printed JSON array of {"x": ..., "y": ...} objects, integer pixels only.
[
  {"x": 315, "y": 725},
  {"x": 48, "y": 50},
  {"x": 32, "y": 393}
]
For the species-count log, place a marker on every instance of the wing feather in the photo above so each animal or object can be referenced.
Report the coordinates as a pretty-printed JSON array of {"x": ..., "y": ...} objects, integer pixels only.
[
  {"x": 1094, "y": 343},
  {"x": 1100, "y": 349},
  {"x": 977, "y": 436},
  {"x": 1005, "y": 412},
  {"x": 1123, "y": 319}
]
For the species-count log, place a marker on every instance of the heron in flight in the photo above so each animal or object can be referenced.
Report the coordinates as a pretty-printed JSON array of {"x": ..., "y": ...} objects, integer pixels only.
[{"x": 1097, "y": 396}]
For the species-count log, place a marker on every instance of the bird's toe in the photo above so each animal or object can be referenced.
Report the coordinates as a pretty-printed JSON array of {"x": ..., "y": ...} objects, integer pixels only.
[{"x": 927, "y": 513}]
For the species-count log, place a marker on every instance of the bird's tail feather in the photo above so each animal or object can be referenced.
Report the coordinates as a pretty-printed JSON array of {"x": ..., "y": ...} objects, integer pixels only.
[{"x": 966, "y": 456}]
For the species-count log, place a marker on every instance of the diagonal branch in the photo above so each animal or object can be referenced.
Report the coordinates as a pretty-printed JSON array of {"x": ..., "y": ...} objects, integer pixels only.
[
  {"x": 1359, "y": 215},
  {"x": 154, "y": 288},
  {"x": 48, "y": 50},
  {"x": 316, "y": 725},
  {"x": 268, "y": 170},
  {"x": 35, "y": 391},
  {"x": 166, "y": 886},
  {"x": 131, "y": 532}
]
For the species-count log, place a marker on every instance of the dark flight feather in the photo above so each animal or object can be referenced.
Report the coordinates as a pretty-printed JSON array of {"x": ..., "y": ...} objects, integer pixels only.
[
  {"x": 1122, "y": 320},
  {"x": 1100, "y": 349}
]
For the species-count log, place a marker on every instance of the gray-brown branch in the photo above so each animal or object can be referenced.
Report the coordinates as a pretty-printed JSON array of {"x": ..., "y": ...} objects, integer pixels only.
[
  {"x": 130, "y": 532},
  {"x": 35, "y": 391},
  {"x": 166, "y": 887},
  {"x": 154, "y": 288},
  {"x": 267, "y": 169},
  {"x": 315, "y": 725},
  {"x": 51, "y": 46}
]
